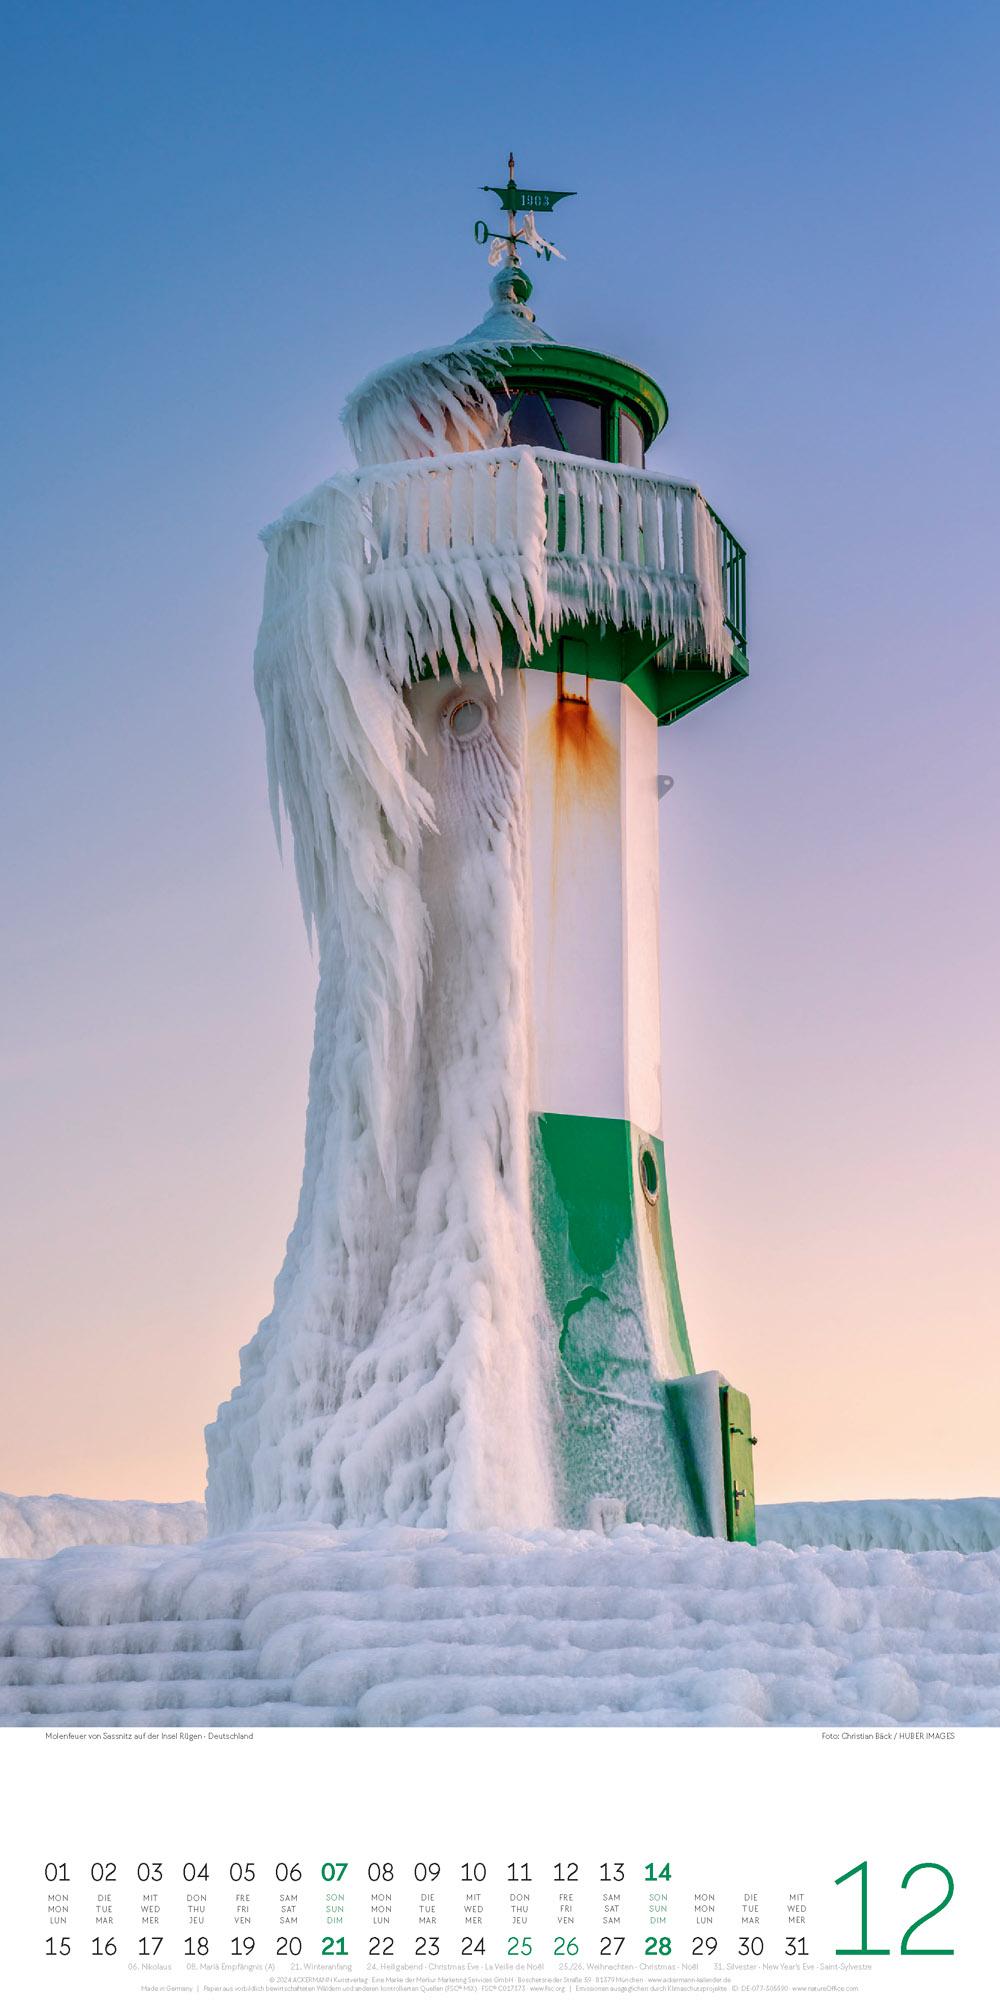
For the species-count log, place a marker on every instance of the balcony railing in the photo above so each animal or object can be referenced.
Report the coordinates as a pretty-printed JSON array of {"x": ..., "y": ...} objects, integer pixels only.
[
  {"x": 734, "y": 581},
  {"x": 589, "y": 539}
]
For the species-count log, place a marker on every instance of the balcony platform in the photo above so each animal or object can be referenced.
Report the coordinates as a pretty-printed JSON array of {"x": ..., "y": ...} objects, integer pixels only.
[{"x": 615, "y": 573}]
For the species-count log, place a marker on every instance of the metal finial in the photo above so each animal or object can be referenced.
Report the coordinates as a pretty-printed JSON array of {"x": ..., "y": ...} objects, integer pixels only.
[{"x": 525, "y": 202}]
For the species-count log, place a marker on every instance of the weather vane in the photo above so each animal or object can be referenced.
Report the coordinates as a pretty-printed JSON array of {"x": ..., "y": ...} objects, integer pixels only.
[{"x": 526, "y": 203}]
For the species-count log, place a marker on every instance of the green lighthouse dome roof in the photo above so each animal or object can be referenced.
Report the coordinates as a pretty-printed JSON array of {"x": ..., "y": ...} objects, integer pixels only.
[{"x": 467, "y": 396}]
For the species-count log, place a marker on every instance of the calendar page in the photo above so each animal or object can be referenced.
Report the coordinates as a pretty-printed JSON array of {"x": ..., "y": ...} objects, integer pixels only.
[
  {"x": 499, "y": 1376},
  {"x": 491, "y": 1862}
]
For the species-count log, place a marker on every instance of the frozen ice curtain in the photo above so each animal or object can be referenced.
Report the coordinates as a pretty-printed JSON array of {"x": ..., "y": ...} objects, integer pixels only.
[
  {"x": 401, "y": 1374},
  {"x": 404, "y": 1372}
]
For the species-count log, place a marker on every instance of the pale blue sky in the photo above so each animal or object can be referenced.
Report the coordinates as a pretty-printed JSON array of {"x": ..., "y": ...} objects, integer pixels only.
[{"x": 217, "y": 217}]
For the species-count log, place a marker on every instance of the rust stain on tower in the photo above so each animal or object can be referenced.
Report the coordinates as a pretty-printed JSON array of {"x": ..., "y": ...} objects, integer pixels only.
[{"x": 584, "y": 759}]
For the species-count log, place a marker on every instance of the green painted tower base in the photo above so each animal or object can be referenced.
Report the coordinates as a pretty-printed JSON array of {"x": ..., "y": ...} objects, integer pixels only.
[{"x": 633, "y": 1447}]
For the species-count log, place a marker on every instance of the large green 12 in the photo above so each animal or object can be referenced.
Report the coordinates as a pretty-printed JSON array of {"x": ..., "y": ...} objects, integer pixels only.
[{"x": 906, "y": 1949}]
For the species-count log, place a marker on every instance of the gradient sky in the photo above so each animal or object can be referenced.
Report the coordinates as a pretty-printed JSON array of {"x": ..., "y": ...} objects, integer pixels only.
[{"x": 217, "y": 218}]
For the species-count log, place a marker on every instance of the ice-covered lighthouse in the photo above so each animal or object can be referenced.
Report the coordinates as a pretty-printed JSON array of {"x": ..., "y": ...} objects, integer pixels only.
[{"x": 467, "y": 648}]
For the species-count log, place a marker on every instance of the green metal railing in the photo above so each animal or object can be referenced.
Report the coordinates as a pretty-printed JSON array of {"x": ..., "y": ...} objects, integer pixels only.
[
  {"x": 646, "y": 539},
  {"x": 734, "y": 581}
]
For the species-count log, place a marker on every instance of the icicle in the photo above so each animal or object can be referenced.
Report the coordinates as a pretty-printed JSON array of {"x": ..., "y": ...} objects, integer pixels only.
[{"x": 427, "y": 404}]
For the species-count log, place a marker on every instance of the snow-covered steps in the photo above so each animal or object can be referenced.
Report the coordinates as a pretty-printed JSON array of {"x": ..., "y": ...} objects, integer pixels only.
[{"x": 314, "y": 1625}]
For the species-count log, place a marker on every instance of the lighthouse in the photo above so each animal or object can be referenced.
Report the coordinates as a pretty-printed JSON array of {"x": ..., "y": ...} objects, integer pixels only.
[{"x": 468, "y": 647}]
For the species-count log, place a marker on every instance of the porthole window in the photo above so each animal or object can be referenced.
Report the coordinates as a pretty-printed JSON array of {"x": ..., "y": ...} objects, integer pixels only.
[
  {"x": 467, "y": 719},
  {"x": 649, "y": 1174}
]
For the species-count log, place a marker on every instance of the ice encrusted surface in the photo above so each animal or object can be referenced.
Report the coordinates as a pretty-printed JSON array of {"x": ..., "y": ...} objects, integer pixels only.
[
  {"x": 310, "y": 1624},
  {"x": 966, "y": 1525},
  {"x": 402, "y": 1374},
  {"x": 41, "y": 1524}
]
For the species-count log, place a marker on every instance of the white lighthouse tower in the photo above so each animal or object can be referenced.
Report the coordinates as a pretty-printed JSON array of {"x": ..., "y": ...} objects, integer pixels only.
[{"x": 468, "y": 647}]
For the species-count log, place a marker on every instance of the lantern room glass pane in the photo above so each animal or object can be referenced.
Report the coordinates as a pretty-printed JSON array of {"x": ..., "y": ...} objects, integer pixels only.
[
  {"x": 531, "y": 423},
  {"x": 555, "y": 423},
  {"x": 630, "y": 448},
  {"x": 580, "y": 425}
]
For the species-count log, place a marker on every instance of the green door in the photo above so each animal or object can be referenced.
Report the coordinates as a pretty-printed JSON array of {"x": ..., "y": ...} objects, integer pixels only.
[{"x": 737, "y": 1461}]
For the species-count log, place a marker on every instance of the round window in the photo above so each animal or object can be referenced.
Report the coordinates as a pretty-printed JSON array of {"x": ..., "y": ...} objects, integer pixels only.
[
  {"x": 467, "y": 719},
  {"x": 649, "y": 1174}
]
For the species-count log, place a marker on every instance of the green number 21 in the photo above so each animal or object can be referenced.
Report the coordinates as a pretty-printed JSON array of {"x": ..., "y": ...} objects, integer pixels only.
[{"x": 907, "y": 1950}]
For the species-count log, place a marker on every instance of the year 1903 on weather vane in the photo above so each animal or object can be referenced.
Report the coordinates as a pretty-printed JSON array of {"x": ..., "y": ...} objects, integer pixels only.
[{"x": 526, "y": 202}]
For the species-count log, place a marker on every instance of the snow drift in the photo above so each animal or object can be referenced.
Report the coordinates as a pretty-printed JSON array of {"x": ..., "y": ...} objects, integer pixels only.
[
  {"x": 914, "y": 1525},
  {"x": 40, "y": 1525},
  {"x": 393, "y": 1626}
]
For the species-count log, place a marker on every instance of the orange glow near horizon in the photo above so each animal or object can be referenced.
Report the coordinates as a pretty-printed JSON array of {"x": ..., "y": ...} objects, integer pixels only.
[{"x": 834, "y": 1261}]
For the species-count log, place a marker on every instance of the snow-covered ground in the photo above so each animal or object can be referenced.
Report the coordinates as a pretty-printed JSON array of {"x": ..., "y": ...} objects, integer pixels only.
[
  {"x": 395, "y": 1626},
  {"x": 42, "y": 1526},
  {"x": 965, "y": 1525}
]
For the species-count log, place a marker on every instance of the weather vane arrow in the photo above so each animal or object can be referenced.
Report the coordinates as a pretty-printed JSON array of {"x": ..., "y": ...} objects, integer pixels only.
[{"x": 526, "y": 202}]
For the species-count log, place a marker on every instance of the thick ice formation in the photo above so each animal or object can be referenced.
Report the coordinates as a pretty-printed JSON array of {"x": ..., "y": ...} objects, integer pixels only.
[
  {"x": 403, "y": 1374},
  {"x": 914, "y": 1525},
  {"x": 426, "y": 404},
  {"x": 41, "y": 1526},
  {"x": 313, "y": 1625}
]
